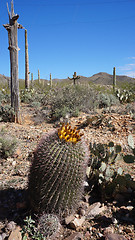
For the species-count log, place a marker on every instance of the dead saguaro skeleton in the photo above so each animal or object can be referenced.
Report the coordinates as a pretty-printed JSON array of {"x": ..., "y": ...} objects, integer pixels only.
[
  {"x": 12, "y": 28},
  {"x": 26, "y": 62}
]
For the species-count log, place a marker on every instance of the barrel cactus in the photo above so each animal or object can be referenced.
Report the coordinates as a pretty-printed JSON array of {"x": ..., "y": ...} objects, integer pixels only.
[
  {"x": 49, "y": 226},
  {"x": 58, "y": 171}
]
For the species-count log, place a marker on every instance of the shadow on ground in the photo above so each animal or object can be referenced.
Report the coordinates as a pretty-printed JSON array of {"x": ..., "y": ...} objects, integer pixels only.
[{"x": 13, "y": 205}]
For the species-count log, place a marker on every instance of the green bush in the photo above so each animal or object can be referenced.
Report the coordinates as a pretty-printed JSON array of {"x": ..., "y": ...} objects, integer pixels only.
[
  {"x": 4, "y": 97},
  {"x": 7, "y": 144},
  {"x": 7, "y": 113},
  {"x": 35, "y": 104},
  {"x": 27, "y": 95},
  {"x": 69, "y": 100},
  {"x": 104, "y": 100}
]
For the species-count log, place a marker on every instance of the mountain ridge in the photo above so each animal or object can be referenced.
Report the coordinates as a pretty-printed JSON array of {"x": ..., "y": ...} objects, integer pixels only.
[{"x": 98, "y": 78}]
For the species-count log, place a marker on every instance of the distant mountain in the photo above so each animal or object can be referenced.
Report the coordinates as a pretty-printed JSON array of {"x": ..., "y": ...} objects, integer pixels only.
[
  {"x": 98, "y": 78},
  {"x": 3, "y": 78},
  {"x": 101, "y": 78},
  {"x": 107, "y": 79}
]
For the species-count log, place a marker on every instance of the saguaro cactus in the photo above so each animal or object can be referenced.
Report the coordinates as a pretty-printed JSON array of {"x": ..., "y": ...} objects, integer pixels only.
[
  {"x": 74, "y": 78},
  {"x": 38, "y": 76},
  {"x": 58, "y": 171},
  {"x": 32, "y": 80},
  {"x": 114, "y": 79},
  {"x": 50, "y": 79}
]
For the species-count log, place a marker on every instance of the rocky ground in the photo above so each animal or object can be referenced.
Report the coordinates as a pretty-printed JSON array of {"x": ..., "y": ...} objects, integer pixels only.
[{"x": 94, "y": 219}]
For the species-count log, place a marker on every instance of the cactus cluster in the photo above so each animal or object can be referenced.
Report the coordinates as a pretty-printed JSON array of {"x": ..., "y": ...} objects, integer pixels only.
[
  {"x": 49, "y": 226},
  {"x": 58, "y": 171},
  {"x": 102, "y": 170},
  {"x": 125, "y": 96}
]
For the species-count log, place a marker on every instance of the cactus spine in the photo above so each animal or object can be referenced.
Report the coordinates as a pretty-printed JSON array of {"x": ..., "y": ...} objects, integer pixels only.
[
  {"x": 58, "y": 171},
  {"x": 114, "y": 79}
]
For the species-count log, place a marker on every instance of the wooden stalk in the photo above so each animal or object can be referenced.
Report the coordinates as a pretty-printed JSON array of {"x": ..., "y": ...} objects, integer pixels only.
[
  {"x": 12, "y": 28},
  {"x": 26, "y": 62}
]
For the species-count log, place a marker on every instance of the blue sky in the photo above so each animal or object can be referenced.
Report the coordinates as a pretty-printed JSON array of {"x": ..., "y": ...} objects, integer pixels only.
[{"x": 64, "y": 36}]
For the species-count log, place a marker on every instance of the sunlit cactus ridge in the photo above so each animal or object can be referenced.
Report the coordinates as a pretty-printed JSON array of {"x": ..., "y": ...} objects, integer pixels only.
[{"x": 58, "y": 171}]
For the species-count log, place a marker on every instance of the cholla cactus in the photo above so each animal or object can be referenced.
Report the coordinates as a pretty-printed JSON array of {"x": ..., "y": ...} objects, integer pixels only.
[{"x": 58, "y": 171}]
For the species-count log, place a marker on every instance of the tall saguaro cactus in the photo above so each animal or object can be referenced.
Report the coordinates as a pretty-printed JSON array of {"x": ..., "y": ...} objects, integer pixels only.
[
  {"x": 74, "y": 78},
  {"x": 26, "y": 62},
  {"x": 51, "y": 80},
  {"x": 114, "y": 79},
  {"x": 12, "y": 28},
  {"x": 31, "y": 80},
  {"x": 38, "y": 76}
]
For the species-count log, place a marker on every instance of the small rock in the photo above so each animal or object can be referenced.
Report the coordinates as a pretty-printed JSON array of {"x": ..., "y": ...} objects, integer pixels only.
[
  {"x": 68, "y": 219},
  {"x": 88, "y": 235},
  {"x": 94, "y": 210},
  {"x": 114, "y": 220},
  {"x": 10, "y": 159},
  {"x": 75, "y": 236},
  {"x": 81, "y": 212},
  {"x": 77, "y": 222},
  {"x": 100, "y": 234},
  {"x": 114, "y": 236},
  {"x": 85, "y": 184},
  {"x": 11, "y": 226},
  {"x": 108, "y": 230},
  {"x": 13, "y": 163},
  {"x": 130, "y": 208},
  {"x": 127, "y": 230},
  {"x": 4, "y": 235},
  {"x": 16, "y": 234}
]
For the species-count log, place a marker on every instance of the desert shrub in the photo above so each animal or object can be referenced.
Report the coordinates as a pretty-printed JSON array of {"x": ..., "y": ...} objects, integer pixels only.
[
  {"x": 69, "y": 100},
  {"x": 104, "y": 100},
  {"x": 7, "y": 144},
  {"x": 30, "y": 230},
  {"x": 4, "y": 97},
  {"x": 35, "y": 104},
  {"x": 7, "y": 113},
  {"x": 31, "y": 96},
  {"x": 27, "y": 95}
]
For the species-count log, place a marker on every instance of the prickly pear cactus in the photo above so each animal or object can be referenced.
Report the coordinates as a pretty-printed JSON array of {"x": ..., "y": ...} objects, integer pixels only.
[{"x": 58, "y": 171}]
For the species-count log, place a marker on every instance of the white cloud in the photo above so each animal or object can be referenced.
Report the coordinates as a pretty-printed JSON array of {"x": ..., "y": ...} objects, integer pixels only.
[
  {"x": 133, "y": 58},
  {"x": 130, "y": 74},
  {"x": 127, "y": 69}
]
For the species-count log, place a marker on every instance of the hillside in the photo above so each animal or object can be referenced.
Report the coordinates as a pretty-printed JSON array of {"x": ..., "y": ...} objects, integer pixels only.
[
  {"x": 101, "y": 78},
  {"x": 98, "y": 78}
]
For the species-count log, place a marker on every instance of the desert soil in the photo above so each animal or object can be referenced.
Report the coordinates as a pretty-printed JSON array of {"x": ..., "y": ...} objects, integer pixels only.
[{"x": 14, "y": 171}]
